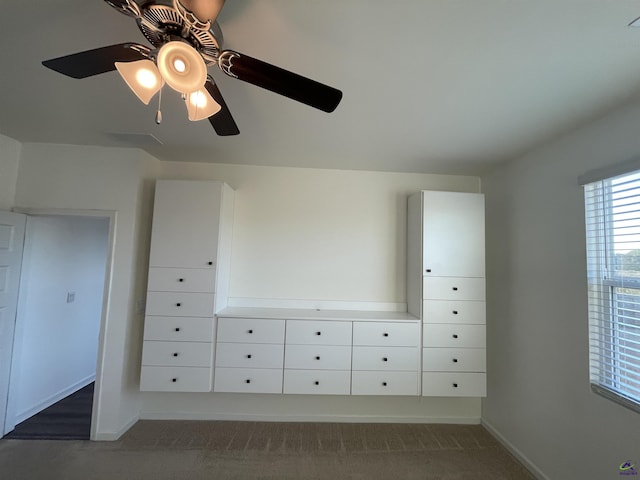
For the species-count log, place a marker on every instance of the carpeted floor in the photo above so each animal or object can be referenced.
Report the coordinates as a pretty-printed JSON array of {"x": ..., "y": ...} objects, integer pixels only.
[
  {"x": 175, "y": 450},
  {"x": 68, "y": 419}
]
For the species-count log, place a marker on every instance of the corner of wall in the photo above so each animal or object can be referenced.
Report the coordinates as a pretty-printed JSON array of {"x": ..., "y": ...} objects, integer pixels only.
[{"x": 9, "y": 164}]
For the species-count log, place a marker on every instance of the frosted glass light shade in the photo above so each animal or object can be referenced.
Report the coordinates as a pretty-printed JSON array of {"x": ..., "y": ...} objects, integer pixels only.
[
  {"x": 201, "y": 105},
  {"x": 182, "y": 67},
  {"x": 143, "y": 78}
]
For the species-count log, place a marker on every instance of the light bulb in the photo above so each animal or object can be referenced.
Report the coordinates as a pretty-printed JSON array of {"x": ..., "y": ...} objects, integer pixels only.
[
  {"x": 142, "y": 77},
  {"x": 146, "y": 78},
  {"x": 181, "y": 66},
  {"x": 201, "y": 105}
]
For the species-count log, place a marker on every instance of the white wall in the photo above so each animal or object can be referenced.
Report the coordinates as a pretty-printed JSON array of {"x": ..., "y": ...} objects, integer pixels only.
[
  {"x": 110, "y": 180},
  {"x": 539, "y": 398},
  {"x": 9, "y": 161},
  {"x": 317, "y": 235},
  {"x": 56, "y": 342},
  {"x": 311, "y": 234}
]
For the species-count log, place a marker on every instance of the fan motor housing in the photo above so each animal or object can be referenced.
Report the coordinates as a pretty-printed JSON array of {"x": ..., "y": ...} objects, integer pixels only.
[{"x": 159, "y": 21}]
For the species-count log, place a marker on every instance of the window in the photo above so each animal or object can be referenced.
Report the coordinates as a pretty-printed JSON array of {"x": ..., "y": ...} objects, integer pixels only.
[{"x": 613, "y": 270}]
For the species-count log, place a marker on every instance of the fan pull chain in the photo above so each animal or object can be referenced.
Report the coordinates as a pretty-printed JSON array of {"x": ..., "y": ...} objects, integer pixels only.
[{"x": 159, "y": 112}]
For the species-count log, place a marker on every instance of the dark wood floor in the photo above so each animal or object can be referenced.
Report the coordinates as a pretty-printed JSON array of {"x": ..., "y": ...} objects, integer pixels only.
[{"x": 68, "y": 419}]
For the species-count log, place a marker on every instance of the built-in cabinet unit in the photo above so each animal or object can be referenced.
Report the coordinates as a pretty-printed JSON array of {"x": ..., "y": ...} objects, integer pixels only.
[
  {"x": 317, "y": 352},
  {"x": 188, "y": 281},
  {"x": 446, "y": 288}
]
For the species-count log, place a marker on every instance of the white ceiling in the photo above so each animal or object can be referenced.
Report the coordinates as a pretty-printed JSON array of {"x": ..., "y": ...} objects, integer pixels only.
[{"x": 430, "y": 86}]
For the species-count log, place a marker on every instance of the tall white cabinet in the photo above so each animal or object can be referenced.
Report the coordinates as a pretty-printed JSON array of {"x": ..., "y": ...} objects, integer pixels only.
[
  {"x": 446, "y": 289},
  {"x": 188, "y": 283}
]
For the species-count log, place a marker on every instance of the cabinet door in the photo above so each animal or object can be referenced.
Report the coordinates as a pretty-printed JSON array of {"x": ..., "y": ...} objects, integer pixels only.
[
  {"x": 318, "y": 357},
  {"x": 453, "y": 234},
  {"x": 249, "y": 355},
  {"x": 303, "y": 332},
  {"x": 186, "y": 215},
  {"x": 317, "y": 382},
  {"x": 175, "y": 379},
  {"x": 248, "y": 380},
  {"x": 385, "y": 358},
  {"x": 386, "y": 333}
]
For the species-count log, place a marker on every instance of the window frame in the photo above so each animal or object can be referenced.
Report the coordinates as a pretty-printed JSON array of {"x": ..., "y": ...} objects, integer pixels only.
[{"x": 605, "y": 349}]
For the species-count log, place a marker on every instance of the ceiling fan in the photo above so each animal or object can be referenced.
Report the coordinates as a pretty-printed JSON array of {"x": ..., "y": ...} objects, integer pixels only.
[{"x": 186, "y": 40}]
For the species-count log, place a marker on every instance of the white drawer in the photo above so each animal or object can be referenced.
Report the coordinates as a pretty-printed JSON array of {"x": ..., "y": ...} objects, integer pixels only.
[
  {"x": 384, "y": 383},
  {"x": 453, "y": 288},
  {"x": 386, "y": 333},
  {"x": 163, "y": 279},
  {"x": 386, "y": 358},
  {"x": 177, "y": 354},
  {"x": 318, "y": 332},
  {"x": 454, "y": 384},
  {"x": 248, "y": 380},
  {"x": 178, "y": 304},
  {"x": 178, "y": 329},
  {"x": 318, "y": 357},
  {"x": 249, "y": 355},
  {"x": 249, "y": 330},
  {"x": 317, "y": 382},
  {"x": 454, "y": 335},
  {"x": 454, "y": 360},
  {"x": 453, "y": 311},
  {"x": 175, "y": 379}
]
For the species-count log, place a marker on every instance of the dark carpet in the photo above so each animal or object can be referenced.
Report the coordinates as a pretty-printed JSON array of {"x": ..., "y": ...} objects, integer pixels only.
[{"x": 68, "y": 419}]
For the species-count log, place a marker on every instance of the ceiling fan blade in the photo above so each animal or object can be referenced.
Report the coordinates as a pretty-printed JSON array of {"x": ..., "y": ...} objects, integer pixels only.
[
  {"x": 204, "y": 9},
  {"x": 280, "y": 81},
  {"x": 94, "y": 62},
  {"x": 222, "y": 122}
]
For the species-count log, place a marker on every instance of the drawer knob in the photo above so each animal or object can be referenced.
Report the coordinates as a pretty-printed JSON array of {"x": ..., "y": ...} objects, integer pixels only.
[
  {"x": 455, "y": 335},
  {"x": 209, "y": 263},
  {"x": 178, "y": 304},
  {"x": 177, "y": 329},
  {"x": 385, "y": 334},
  {"x": 455, "y": 385},
  {"x": 250, "y": 331},
  {"x": 316, "y": 383},
  {"x": 175, "y": 354},
  {"x": 455, "y": 312},
  {"x": 174, "y": 380},
  {"x": 247, "y": 380},
  {"x": 455, "y": 289},
  {"x": 455, "y": 360},
  {"x": 181, "y": 279},
  {"x": 317, "y": 357},
  {"x": 385, "y": 359},
  {"x": 318, "y": 333},
  {"x": 249, "y": 356},
  {"x": 384, "y": 384},
  {"x": 428, "y": 270}
]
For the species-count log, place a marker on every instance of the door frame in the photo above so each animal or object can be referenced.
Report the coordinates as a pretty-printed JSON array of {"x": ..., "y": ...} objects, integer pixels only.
[{"x": 111, "y": 215}]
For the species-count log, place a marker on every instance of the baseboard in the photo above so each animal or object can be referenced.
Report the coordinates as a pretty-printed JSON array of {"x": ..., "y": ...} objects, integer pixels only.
[
  {"x": 522, "y": 458},
  {"x": 113, "y": 436},
  {"x": 249, "y": 417},
  {"x": 316, "y": 304},
  {"x": 56, "y": 397}
]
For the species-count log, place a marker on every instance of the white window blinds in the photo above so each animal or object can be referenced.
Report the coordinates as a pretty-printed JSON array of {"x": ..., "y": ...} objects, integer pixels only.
[{"x": 612, "y": 209}]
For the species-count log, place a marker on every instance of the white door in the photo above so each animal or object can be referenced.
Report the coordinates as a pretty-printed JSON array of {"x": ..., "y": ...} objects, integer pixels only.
[
  {"x": 12, "y": 227},
  {"x": 453, "y": 236}
]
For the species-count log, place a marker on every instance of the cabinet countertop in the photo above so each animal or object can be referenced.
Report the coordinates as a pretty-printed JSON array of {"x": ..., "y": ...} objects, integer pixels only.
[{"x": 316, "y": 314}]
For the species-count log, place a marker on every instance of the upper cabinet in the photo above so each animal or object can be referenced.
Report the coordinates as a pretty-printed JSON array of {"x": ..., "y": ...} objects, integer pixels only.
[
  {"x": 186, "y": 223},
  {"x": 453, "y": 234}
]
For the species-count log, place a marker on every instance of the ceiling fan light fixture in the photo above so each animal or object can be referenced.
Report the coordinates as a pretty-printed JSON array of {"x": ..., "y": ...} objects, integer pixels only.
[
  {"x": 142, "y": 77},
  {"x": 182, "y": 67},
  {"x": 201, "y": 105}
]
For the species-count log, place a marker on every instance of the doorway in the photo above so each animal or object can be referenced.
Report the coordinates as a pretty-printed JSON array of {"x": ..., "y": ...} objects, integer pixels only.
[{"x": 63, "y": 290}]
